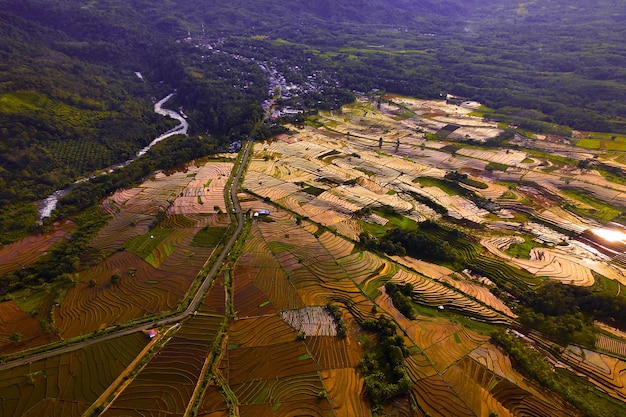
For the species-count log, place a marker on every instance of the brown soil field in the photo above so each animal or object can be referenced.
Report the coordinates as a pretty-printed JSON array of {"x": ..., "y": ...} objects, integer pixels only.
[
  {"x": 268, "y": 362},
  {"x": 212, "y": 403},
  {"x": 333, "y": 353},
  {"x": 14, "y": 320},
  {"x": 215, "y": 300},
  {"x": 250, "y": 300},
  {"x": 435, "y": 396},
  {"x": 428, "y": 332},
  {"x": 260, "y": 331},
  {"x": 419, "y": 367},
  {"x": 314, "y": 408},
  {"x": 338, "y": 246},
  {"x": 26, "y": 251},
  {"x": 165, "y": 385},
  {"x": 345, "y": 392},
  {"x": 298, "y": 388},
  {"x": 276, "y": 286},
  {"x": 65, "y": 385},
  {"x": 87, "y": 308},
  {"x": 365, "y": 266}
]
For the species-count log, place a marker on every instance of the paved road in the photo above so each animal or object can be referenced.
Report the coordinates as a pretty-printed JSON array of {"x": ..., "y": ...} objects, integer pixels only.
[{"x": 193, "y": 305}]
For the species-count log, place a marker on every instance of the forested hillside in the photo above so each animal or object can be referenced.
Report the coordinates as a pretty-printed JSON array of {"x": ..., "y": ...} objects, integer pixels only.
[{"x": 70, "y": 102}]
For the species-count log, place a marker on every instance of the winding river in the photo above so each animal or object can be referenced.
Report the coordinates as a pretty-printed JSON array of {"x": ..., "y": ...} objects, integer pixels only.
[{"x": 47, "y": 206}]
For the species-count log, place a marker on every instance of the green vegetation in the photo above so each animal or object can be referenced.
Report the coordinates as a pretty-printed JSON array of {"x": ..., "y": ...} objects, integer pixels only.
[
  {"x": 495, "y": 166},
  {"x": 334, "y": 311},
  {"x": 448, "y": 187},
  {"x": 310, "y": 189},
  {"x": 115, "y": 278},
  {"x": 143, "y": 245},
  {"x": 509, "y": 195},
  {"x": 438, "y": 208},
  {"x": 365, "y": 171},
  {"x": 401, "y": 298},
  {"x": 566, "y": 313},
  {"x": 463, "y": 178},
  {"x": 599, "y": 210},
  {"x": 386, "y": 376},
  {"x": 208, "y": 237},
  {"x": 522, "y": 250}
]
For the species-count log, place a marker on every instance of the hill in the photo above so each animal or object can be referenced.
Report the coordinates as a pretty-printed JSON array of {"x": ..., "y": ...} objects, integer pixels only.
[{"x": 70, "y": 102}]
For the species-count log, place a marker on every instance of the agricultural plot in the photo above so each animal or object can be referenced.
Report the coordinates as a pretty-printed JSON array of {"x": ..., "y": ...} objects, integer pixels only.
[
  {"x": 260, "y": 331},
  {"x": 281, "y": 377},
  {"x": 135, "y": 211},
  {"x": 215, "y": 300},
  {"x": 268, "y": 362},
  {"x": 608, "y": 372},
  {"x": 506, "y": 157},
  {"x": 312, "y": 321},
  {"x": 14, "y": 321},
  {"x": 97, "y": 303},
  {"x": 612, "y": 345},
  {"x": 434, "y": 294},
  {"x": 26, "y": 251},
  {"x": 204, "y": 192},
  {"x": 550, "y": 263},
  {"x": 345, "y": 392},
  {"x": 67, "y": 384},
  {"x": 165, "y": 385},
  {"x": 213, "y": 403},
  {"x": 281, "y": 354},
  {"x": 319, "y": 408}
]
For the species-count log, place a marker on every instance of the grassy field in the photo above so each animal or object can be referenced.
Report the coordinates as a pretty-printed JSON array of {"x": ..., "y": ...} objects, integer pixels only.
[
  {"x": 522, "y": 250},
  {"x": 600, "y": 210},
  {"x": 445, "y": 186},
  {"x": 208, "y": 237},
  {"x": 143, "y": 245},
  {"x": 604, "y": 141}
]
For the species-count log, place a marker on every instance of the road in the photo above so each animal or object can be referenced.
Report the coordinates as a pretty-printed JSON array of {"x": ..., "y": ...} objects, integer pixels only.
[{"x": 195, "y": 301}]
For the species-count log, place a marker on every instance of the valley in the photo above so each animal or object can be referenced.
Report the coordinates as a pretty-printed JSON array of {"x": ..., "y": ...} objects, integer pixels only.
[
  {"x": 277, "y": 326},
  {"x": 347, "y": 208}
]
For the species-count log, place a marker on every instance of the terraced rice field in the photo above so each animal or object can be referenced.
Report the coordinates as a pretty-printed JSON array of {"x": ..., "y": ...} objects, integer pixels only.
[
  {"x": 97, "y": 304},
  {"x": 260, "y": 331},
  {"x": 433, "y": 294},
  {"x": 612, "y": 345},
  {"x": 268, "y": 362},
  {"x": 14, "y": 320},
  {"x": 28, "y": 250},
  {"x": 65, "y": 385},
  {"x": 166, "y": 383},
  {"x": 280, "y": 355},
  {"x": 552, "y": 263},
  {"x": 609, "y": 372},
  {"x": 345, "y": 392}
]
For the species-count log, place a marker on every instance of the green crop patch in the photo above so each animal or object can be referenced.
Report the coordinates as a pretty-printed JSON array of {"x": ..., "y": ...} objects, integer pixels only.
[
  {"x": 208, "y": 237},
  {"x": 143, "y": 245}
]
